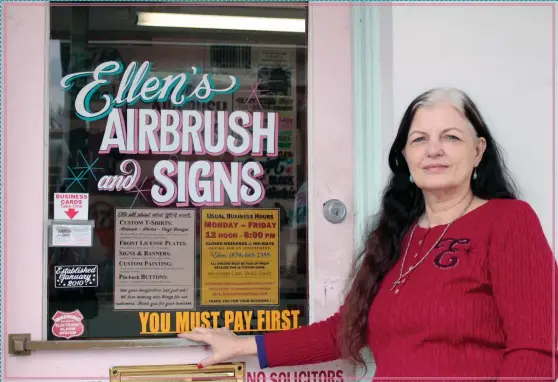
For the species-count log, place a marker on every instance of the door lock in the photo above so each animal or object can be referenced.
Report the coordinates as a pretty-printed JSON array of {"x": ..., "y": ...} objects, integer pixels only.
[{"x": 334, "y": 211}]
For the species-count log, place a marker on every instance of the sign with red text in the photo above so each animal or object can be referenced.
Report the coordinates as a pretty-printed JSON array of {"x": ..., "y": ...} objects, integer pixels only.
[
  {"x": 68, "y": 324},
  {"x": 240, "y": 257},
  {"x": 71, "y": 206},
  {"x": 321, "y": 375}
]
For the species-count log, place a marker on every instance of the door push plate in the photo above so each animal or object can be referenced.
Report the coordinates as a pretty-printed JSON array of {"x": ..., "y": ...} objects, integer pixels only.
[{"x": 334, "y": 211}]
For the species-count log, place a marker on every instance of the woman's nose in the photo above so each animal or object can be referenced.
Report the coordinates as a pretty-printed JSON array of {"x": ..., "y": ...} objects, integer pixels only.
[{"x": 434, "y": 148}]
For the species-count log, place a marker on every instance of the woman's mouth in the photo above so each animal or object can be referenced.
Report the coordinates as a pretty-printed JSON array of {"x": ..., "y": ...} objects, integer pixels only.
[{"x": 435, "y": 168}]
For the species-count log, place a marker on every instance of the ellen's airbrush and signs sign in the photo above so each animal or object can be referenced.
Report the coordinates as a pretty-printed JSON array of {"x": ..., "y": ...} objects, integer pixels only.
[
  {"x": 153, "y": 246},
  {"x": 170, "y": 132}
]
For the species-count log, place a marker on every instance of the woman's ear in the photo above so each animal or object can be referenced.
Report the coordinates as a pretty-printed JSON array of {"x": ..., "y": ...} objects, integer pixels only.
[{"x": 480, "y": 149}]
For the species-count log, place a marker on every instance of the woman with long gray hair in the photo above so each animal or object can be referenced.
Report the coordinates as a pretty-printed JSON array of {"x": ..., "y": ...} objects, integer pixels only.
[{"x": 456, "y": 276}]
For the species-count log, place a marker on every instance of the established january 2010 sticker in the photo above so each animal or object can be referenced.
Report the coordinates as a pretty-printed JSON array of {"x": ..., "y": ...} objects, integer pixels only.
[
  {"x": 68, "y": 324},
  {"x": 76, "y": 276}
]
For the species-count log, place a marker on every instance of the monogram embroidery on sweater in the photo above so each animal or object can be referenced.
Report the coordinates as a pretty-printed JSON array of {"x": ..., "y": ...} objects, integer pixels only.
[{"x": 451, "y": 249}]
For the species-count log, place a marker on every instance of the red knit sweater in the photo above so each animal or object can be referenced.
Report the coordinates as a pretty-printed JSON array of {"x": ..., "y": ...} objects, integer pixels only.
[{"x": 480, "y": 305}]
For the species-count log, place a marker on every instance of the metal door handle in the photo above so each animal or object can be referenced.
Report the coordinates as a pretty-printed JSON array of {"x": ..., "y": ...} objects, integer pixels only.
[{"x": 21, "y": 344}]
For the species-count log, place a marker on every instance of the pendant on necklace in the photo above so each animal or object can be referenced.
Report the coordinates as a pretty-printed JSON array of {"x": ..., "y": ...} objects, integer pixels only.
[{"x": 396, "y": 284}]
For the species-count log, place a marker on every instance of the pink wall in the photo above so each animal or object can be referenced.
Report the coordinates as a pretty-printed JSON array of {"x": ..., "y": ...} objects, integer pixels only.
[{"x": 331, "y": 176}]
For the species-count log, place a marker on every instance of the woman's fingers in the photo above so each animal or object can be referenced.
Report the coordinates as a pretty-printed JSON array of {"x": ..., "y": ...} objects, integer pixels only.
[
  {"x": 211, "y": 360},
  {"x": 202, "y": 330},
  {"x": 197, "y": 334},
  {"x": 221, "y": 341},
  {"x": 191, "y": 336}
]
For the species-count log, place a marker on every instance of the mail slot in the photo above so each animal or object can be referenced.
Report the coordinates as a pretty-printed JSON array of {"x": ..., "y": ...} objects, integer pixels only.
[{"x": 233, "y": 372}]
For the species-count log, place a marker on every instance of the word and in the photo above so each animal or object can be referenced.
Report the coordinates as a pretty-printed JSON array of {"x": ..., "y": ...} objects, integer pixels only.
[{"x": 240, "y": 321}]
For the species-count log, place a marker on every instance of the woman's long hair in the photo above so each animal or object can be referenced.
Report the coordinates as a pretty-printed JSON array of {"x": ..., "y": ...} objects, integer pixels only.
[{"x": 402, "y": 205}]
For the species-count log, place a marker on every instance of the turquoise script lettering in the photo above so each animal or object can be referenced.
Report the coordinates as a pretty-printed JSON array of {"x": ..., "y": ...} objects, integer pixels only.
[{"x": 136, "y": 85}]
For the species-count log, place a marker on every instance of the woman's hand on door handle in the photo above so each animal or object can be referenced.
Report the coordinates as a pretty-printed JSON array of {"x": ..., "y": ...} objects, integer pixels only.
[{"x": 224, "y": 344}]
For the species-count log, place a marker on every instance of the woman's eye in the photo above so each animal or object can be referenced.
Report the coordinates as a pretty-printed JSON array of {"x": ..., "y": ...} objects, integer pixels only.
[
  {"x": 418, "y": 139},
  {"x": 452, "y": 137}
]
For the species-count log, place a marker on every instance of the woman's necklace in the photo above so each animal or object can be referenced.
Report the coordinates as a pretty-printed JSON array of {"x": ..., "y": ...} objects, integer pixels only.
[{"x": 402, "y": 275}]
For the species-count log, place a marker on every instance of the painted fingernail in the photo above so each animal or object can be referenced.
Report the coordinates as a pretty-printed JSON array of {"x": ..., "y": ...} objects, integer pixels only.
[{"x": 200, "y": 366}]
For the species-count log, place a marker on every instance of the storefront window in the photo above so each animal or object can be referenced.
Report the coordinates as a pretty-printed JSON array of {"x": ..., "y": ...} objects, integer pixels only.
[{"x": 177, "y": 187}]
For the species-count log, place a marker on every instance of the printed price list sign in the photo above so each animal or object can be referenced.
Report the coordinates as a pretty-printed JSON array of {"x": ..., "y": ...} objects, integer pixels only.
[
  {"x": 240, "y": 257},
  {"x": 154, "y": 259}
]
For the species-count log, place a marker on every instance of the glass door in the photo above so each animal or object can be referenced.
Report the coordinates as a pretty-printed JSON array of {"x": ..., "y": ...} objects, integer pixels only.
[{"x": 191, "y": 157}]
